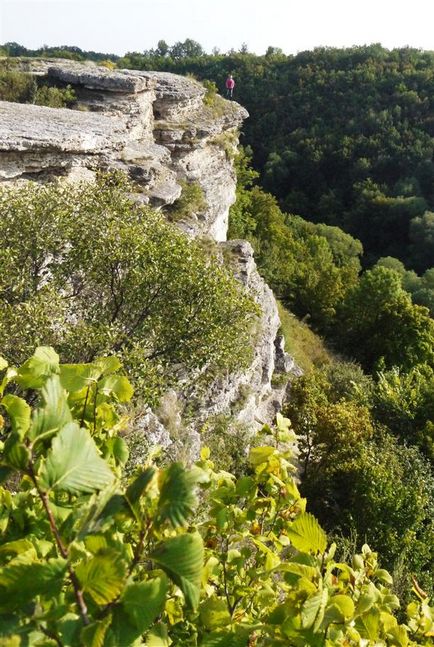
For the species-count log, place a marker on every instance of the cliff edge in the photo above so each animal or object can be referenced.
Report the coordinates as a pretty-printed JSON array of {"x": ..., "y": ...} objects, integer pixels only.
[{"x": 165, "y": 133}]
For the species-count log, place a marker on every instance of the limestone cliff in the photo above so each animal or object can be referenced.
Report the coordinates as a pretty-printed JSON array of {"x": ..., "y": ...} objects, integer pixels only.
[
  {"x": 154, "y": 126},
  {"x": 160, "y": 129}
]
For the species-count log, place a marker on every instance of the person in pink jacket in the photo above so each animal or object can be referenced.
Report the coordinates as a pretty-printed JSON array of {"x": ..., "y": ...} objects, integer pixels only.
[{"x": 230, "y": 84}]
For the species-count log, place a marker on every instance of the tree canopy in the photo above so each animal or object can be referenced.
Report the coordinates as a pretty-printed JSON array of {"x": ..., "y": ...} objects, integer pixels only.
[{"x": 89, "y": 269}]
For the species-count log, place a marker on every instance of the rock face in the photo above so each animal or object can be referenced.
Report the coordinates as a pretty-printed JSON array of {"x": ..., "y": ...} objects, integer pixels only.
[
  {"x": 154, "y": 126},
  {"x": 163, "y": 131},
  {"x": 252, "y": 396}
]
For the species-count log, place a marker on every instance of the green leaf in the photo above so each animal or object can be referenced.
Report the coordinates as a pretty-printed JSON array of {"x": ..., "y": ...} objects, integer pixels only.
[
  {"x": 75, "y": 377},
  {"x": 177, "y": 499},
  {"x": 311, "y": 608},
  {"x": 3, "y": 363},
  {"x": 399, "y": 636},
  {"x": 226, "y": 639},
  {"x": 340, "y": 609},
  {"x": 122, "y": 630},
  {"x": 140, "y": 484},
  {"x": 36, "y": 370},
  {"x": 302, "y": 570},
  {"x": 245, "y": 486},
  {"x": 102, "y": 576},
  {"x": 11, "y": 641},
  {"x": 383, "y": 575},
  {"x": 158, "y": 637},
  {"x": 16, "y": 453},
  {"x": 214, "y": 613},
  {"x": 19, "y": 413},
  {"x": 365, "y": 602},
  {"x": 68, "y": 629},
  {"x": 16, "y": 547},
  {"x": 306, "y": 534},
  {"x": 182, "y": 559},
  {"x": 10, "y": 625},
  {"x": 116, "y": 385},
  {"x": 368, "y": 624},
  {"x": 55, "y": 413},
  {"x": 101, "y": 511},
  {"x": 40, "y": 579},
  {"x": 118, "y": 449},
  {"x": 144, "y": 601},
  {"x": 107, "y": 365},
  {"x": 73, "y": 463},
  {"x": 94, "y": 634},
  {"x": 259, "y": 455}
]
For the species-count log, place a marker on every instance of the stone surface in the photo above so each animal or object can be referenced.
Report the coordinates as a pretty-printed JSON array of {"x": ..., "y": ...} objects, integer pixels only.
[
  {"x": 34, "y": 128},
  {"x": 100, "y": 78}
]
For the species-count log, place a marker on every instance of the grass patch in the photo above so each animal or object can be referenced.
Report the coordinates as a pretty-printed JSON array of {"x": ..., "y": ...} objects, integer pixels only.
[
  {"x": 302, "y": 343},
  {"x": 213, "y": 100},
  {"x": 191, "y": 202},
  {"x": 228, "y": 141}
]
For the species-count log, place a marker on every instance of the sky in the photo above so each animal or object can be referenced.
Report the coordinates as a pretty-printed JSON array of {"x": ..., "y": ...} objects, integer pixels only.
[{"x": 293, "y": 25}]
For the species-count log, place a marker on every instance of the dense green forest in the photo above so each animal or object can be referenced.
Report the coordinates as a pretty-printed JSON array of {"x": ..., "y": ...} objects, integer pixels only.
[{"x": 335, "y": 193}]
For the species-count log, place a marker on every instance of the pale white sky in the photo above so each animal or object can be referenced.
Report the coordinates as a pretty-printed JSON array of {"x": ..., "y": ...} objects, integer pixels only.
[{"x": 294, "y": 25}]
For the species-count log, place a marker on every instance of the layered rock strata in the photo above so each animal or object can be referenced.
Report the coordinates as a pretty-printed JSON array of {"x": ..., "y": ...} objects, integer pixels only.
[
  {"x": 154, "y": 126},
  {"x": 162, "y": 130}
]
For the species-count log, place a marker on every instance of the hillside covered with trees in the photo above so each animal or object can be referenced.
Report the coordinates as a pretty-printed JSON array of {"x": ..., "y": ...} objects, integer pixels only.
[{"x": 336, "y": 195}]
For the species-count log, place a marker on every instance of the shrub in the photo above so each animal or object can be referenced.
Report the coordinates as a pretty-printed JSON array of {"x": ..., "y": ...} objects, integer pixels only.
[
  {"x": 16, "y": 86},
  {"x": 114, "y": 563},
  {"x": 190, "y": 203},
  {"x": 55, "y": 97},
  {"x": 88, "y": 269}
]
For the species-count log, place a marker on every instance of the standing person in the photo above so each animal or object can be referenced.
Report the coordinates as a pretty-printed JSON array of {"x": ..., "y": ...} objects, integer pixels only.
[{"x": 230, "y": 84}]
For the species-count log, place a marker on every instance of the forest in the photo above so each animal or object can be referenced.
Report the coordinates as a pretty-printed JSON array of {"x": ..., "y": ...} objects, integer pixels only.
[{"x": 335, "y": 194}]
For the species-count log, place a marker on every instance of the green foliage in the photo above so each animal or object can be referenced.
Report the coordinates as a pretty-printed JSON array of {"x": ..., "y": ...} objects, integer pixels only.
[
  {"x": 85, "y": 556},
  {"x": 191, "y": 203},
  {"x": 377, "y": 321},
  {"x": 405, "y": 403},
  {"x": 15, "y": 85},
  {"x": 301, "y": 342},
  {"x": 21, "y": 87},
  {"x": 69, "y": 52},
  {"x": 241, "y": 222},
  {"x": 359, "y": 480},
  {"x": 213, "y": 100},
  {"x": 94, "y": 273},
  {"x": 55, "y": 97},
  {"x": 227, "y": 441},
  {"x": 422, "y": 240},
  {"x": 118, "y": 563},
  {"x": 311, "y": 267}
]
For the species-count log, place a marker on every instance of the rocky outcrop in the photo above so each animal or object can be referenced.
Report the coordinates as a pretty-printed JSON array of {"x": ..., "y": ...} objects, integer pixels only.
[
  {"x": 254, "y": 396},
  {"x": 164, "y": 132},
  {"x": 154, "y": 126}
]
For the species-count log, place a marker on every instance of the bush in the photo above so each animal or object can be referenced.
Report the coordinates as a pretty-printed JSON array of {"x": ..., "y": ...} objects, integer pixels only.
[
  {"x": 16, "y": 86},
  {"x": 191, "y": 202},
  {"x": 113, "y": 563},
  {"x": 89, "y": 270},
  {"x": 55, "y": 97},
  {"x": 360, "y": 482}
]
